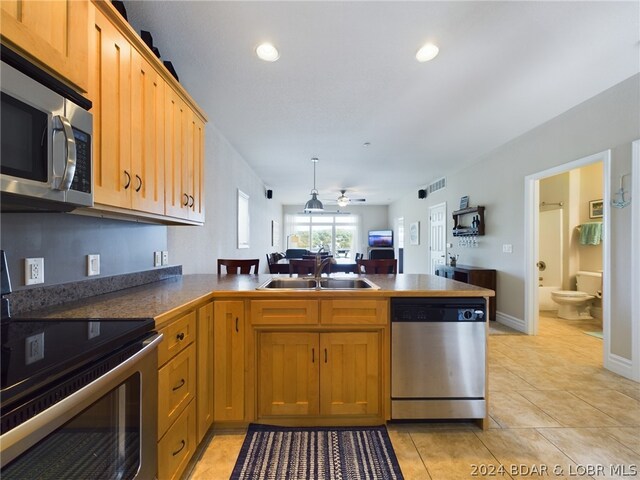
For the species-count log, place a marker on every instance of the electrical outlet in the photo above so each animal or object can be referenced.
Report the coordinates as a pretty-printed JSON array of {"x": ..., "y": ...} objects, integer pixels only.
[
  {"x": 507, "y": 248},
  {"x": 93, "y": 330},
  {"x": 34, "y": 348},
  {"x": 165, "y": 257},
  {"x": 93, "y": 265},
  {"x": 157, "y": 259},
  {"x": 33, "y": 271}
]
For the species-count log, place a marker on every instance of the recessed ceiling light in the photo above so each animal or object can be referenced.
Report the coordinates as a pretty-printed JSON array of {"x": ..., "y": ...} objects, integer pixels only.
[
  {"x": 428, "y": 52},
  {"x": 366, "y": 144},
  {"x": 267, "y": 52}
]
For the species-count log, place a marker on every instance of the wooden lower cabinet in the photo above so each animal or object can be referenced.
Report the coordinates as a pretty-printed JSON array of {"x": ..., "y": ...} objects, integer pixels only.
[
  {"x": 228, "y": 365},
  {"x": 326, "y": 374},
  {"x": 178, "y": 445},
  {"x": 288, "y": 378},
  {"x": 204, "y": 381}
]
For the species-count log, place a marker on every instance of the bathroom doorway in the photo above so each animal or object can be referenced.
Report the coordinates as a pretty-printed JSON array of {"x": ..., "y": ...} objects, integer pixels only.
[{"x": 559, "y": 200}]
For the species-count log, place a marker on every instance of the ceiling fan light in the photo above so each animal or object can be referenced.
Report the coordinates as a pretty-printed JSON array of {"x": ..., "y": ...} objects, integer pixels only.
[
  {"x": 428, "y": 52},
  {"x": 314, "y": 205},
  {"x": 343, "y": 201}
]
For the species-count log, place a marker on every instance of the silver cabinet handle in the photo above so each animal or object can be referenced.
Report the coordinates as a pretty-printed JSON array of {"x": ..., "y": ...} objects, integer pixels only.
[{"x": 63, "y": 182}]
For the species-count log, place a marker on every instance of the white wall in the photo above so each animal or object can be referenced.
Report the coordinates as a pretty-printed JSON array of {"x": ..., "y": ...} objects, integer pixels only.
[
  {"x": 611, "y": 120},
  {"x": 198, "y": 248}
]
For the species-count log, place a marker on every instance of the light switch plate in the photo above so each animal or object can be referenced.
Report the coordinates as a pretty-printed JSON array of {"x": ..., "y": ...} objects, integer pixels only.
[
  {"x": 157, "y": 258},
  {"x": 93, "y": 265},
  {"x": 33, "y": 271},
  {"x": 507, "y": 248}
]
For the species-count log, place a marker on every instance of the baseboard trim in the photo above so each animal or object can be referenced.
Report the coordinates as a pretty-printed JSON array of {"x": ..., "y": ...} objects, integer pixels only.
[
  {"x": 510, "y": 321},
  {"x": 620, "y": 365}
]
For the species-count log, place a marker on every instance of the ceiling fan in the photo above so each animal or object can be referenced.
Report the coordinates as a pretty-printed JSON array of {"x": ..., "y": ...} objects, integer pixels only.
[{"x": 343, "y": 200}]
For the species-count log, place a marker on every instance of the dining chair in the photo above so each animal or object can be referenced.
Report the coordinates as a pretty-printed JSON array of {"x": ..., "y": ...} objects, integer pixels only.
[
  {"x": 378, "y": 266},
  {"x": 235, "y": 266},
  {"x": 302, "y": 267},
  {"x": 359, "y": 256}
]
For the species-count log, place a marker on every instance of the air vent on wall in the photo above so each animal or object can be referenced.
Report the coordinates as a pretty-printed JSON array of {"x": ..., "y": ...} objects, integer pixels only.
[{"x": 437, "y": 185}]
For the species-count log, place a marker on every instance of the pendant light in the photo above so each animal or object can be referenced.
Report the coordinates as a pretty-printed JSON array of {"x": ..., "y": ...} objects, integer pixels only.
[{"x": 314, "y": 205}]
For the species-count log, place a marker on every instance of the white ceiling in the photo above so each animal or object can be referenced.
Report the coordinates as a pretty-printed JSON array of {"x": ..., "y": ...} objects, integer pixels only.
[{"x": 347, "y": 75}]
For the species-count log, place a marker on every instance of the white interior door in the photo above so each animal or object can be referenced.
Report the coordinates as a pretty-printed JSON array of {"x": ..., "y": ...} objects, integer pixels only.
[{"x": 437, "y": 235}]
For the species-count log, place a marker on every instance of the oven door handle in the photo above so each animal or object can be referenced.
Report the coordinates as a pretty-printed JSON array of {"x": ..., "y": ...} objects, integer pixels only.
[{"x": 27, "y": 434}]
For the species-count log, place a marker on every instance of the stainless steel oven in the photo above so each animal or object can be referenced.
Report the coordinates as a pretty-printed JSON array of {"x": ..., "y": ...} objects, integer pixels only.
[
  {"x": 46, "y": 146},
  {"x": 79, "y": 399}
]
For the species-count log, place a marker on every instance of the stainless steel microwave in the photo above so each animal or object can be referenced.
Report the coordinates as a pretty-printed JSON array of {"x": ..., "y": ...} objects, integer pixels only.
[{"x": 46, "y": 147}]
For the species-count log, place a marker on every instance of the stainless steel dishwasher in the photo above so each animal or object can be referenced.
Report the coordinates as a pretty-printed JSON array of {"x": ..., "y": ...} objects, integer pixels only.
[{"x": 438, "y": 358}]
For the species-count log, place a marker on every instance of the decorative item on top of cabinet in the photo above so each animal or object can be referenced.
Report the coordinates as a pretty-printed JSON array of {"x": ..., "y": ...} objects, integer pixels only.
[
  {"x": 53, "y": 35},
  {"x": 228, "y": 369},
  {"x": 475, "y": 225}
]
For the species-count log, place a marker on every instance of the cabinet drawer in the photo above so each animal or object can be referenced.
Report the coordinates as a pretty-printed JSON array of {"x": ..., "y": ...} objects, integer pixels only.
[
  {"x": 354, "y": 312},
  {"x": 176, "y": 337},
  {"x": 284, "y": 312},
  {"x": 177, "y": 447},
  {"x": 176, "y": 387}
]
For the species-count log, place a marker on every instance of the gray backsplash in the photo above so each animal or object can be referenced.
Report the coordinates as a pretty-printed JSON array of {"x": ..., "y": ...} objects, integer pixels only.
[{"x": 64, "y": 240}]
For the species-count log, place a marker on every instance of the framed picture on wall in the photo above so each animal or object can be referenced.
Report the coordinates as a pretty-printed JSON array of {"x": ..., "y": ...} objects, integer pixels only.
[
  {"x": 414, "y": 233},
  {"x": 595, "y": 209},
  {"x": 243, "y": 219}
]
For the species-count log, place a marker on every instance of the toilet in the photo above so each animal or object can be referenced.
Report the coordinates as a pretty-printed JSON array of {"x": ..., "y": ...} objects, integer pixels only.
[{"x": 576, "y": 304}]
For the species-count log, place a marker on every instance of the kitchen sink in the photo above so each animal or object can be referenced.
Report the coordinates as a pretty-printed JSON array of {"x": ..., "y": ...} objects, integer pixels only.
[
  {"x": 313, "y": 284},
  {"x": 346, "y": 284}
]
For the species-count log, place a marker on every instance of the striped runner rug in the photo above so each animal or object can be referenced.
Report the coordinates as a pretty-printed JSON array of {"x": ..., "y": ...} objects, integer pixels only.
[{"x": 351, "y": 453}]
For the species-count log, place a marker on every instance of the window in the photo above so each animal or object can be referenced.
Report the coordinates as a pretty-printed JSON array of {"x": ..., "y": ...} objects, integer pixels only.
[{"x": 337, "y": 234}]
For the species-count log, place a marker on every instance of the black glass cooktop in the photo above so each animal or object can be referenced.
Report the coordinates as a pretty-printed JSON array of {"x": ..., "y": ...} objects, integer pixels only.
[{"x": 36, "y": 353}]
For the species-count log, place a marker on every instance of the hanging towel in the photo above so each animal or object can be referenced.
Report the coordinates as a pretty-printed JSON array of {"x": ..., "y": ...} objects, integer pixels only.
[{"x": 591, "y": 233}]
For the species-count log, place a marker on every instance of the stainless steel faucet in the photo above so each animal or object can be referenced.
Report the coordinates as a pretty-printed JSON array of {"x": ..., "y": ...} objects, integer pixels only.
[{"x": 320, "y": 264}]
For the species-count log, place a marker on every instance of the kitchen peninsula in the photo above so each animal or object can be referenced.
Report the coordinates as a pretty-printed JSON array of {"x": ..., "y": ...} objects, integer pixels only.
[{"x": 233, "y": 354}]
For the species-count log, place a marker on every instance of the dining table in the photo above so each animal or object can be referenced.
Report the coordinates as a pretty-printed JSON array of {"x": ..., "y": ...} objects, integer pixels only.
[{"x": 342, "y": 265}]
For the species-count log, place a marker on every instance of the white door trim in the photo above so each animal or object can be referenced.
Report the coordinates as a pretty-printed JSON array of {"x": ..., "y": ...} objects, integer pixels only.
[
  {"x": 635, "y": 261},
  {"x": 531, "y": 226}
]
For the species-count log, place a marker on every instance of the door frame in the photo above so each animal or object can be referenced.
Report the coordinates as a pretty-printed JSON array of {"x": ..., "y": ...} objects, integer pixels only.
[
  {"x": 531, "y": 245},
  {"x": 635, "y": 261}
]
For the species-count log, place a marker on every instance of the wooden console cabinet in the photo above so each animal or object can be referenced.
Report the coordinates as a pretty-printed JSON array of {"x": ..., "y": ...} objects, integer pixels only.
[{"x": 481, "y": 277}]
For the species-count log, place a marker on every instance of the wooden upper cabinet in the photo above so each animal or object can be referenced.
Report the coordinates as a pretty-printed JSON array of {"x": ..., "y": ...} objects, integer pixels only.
[
  {"x": 195, "y": 179},
  {"x": 176, "y": 123},
  {"x": 110, "y": 92},
  {"x": 147, "y": 137},
  {"x": 52, "y": 34}
]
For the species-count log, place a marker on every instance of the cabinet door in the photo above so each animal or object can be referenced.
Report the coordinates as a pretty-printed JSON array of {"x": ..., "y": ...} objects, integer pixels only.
[
  {"x": 110, "y": 92},
  {"x": 176, "y": 123},
  {"x": 228, "y": 367},
  {"x": 53, "y": 33},
  {"x": 288, "y": 374},
  {"x": 147, "y": 136},
  {"x": 195, "y": 184},
  {"x": 350, "y": 373},
  {"x": 204, "y": 382}
]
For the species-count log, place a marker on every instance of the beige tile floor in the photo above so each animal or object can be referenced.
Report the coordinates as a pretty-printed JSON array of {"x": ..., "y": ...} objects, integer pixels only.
[{"x": 554, "y": 412}]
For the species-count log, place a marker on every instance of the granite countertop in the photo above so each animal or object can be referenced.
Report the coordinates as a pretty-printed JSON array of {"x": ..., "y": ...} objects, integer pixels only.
[{"x": 163, "y": 299}]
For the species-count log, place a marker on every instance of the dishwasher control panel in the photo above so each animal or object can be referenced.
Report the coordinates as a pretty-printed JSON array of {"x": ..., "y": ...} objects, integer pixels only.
[{"x": 438, "y": 310}]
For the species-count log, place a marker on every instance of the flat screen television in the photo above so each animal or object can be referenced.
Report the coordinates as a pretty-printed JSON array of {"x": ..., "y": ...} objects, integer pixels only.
[{"x": 381, "y": 238}]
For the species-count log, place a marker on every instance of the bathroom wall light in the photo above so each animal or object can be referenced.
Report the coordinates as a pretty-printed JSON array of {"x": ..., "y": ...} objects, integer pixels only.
[
  {"x": 427, "y": 52},
  {"x": 267, "y": 52}
]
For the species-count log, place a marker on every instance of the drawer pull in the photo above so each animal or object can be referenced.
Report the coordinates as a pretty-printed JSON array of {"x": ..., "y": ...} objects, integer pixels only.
[
  {"x": 182, "y": 382},
  {"x": 237, "y": 330},
  {"x": 180, "y": 336},
  {"x": 180, "y": 449}
]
